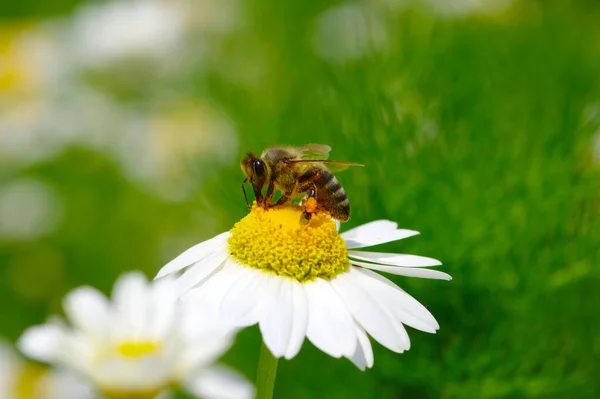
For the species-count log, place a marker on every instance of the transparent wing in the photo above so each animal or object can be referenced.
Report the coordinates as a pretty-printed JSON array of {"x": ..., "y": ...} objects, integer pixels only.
[
  {"x": 314, "y": 151},
  {"x": 333, "y": 166}
]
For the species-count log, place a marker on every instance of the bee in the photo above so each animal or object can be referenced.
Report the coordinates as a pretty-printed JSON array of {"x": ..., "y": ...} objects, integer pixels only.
[{"x": 302, "y": 171}]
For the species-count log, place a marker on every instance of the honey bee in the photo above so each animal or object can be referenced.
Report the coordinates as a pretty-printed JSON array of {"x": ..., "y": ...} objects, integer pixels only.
[{"x": 298, "y": 172}]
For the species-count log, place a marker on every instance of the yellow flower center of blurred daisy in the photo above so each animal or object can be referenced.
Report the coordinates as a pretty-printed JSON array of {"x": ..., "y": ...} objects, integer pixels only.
[
  {"x": 26, "y": 383},
  {"x": 137, "y": 349},
  {"x": 142, "y": 394},
  {"x": 275, "y": 241}
]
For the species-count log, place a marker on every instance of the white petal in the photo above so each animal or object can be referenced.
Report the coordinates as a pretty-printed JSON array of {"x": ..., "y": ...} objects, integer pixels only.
[
  {"x": 374, "y": 233},
  {"x": 164, "y": 295},
  {"x": 408, "y": 310},
  {"x": 131, "y": 295},
  {"x": 363, "y": 356},
  {"x": 374, "y": 317},
  {"x": 194, "y": 254},
  {"x": 87, "y": 310},
  {"x": 207, "y": 298},
  {"x": 330, "y": 326},
  {"x": 203, "y": 332},
  {"x": 219, "y": 382},
  {"x": 64, "y": 385},
  {"x": 405, "y": 271},
  {"x": 200, "y": 270},
  {"x": 242, "y": 303},
  {"x": 43, "y": 342},
  {"x": 277, "y": 315},
  {"x": 300, "y": 320},
  {"x": 394, "y": 259},
  {"x": 203, "y": 350}
]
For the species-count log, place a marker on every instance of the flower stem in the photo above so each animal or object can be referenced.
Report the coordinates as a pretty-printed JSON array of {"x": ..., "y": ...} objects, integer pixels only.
[{"x": 267, "y": 371}]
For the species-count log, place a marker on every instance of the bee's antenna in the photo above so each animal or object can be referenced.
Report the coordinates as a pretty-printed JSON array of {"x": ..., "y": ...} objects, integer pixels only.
[{"x": 245, "y": 196}]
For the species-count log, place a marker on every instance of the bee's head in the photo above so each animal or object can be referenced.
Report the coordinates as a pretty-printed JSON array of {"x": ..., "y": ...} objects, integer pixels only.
[{"x": 256, "y": 170}]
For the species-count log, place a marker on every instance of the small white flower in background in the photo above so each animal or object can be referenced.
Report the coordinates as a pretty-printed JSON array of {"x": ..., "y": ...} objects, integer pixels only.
[
  {"x": 595, "y": 147},
  {"x": 29, "y": 209},
  {"x": 32, "y": 67},
  {"x": 24, "y": 380},
  {"x": 140, "y": 343},
  {"x": 349, "y": 32},
  {"x": 170, "y": 141},
  {"x": 30, "y": 62},
  {"x": 117, "y": 31},
  {"x": 308, "y": 281},
  {"x": 450, "y": 8},
  {"x": 459, "y": 8}
]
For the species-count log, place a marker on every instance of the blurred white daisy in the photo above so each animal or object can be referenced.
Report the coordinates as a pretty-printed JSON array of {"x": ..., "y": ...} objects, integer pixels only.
[
  {"x": 31, "y": 69},
  {"x": 20, "y": 379},
  {"x": 117, "y": 31},
  {"x": 595, "y": 147},
  {"x": 349, "y": 32},
  {"x": 29, "y": 209},
  {"x": 171, "y": 142},
  {"x": 308, "y": 281},
  {"x": 140, "y": 344},
  {"x": 458, "y": 8}
]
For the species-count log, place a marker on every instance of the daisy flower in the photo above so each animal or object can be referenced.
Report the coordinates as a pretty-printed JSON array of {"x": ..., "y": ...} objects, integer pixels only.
[
  {"x": 20, "y": 379},
  {"x": 139, "y": 344},
  {"x": 308, "y": 281}
]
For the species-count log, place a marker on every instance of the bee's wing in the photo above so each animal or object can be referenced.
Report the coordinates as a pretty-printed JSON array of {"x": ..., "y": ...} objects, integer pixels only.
[
  {"x": 333, "y": 166},
  {"x": 314, "y": 151}
]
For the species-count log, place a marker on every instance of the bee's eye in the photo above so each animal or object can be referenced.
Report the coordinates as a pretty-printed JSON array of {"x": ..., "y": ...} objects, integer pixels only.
[{"x": 259, "y": 167}]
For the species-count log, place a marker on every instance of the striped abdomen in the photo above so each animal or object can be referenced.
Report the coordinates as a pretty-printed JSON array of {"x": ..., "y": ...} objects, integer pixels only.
[{"x": 331, "y": 196}]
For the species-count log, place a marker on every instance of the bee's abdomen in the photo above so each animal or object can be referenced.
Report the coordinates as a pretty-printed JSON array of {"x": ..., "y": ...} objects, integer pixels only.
[{"x": 331, "y": 195}]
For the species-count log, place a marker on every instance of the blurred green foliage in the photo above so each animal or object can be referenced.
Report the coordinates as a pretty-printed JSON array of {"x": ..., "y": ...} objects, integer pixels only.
[{"x": 476, "y": 131}]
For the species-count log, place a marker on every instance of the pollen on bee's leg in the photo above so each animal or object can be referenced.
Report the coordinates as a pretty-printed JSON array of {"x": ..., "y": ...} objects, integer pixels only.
[
  {"x": 311, "y": 205},
  {"x": 289, "y": 241}
]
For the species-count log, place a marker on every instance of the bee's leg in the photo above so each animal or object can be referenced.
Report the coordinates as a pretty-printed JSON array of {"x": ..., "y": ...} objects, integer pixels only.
[
  {"x": 285, "y": 197},
  {"x": 269, "y": 195},
  {"x": 258, "y": 194},
  {"x": 305, "y": 218},
  {"x": 311, "y": 192},
  {"x": 245, "y": 196},
  {"x": 307, "y": 185}
]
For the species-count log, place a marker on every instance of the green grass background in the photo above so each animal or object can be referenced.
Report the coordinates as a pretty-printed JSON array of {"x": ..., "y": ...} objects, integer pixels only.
[{"x": 476, "y": 131}]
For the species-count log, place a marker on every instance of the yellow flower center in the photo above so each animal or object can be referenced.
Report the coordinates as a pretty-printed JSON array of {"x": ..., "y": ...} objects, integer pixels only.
[
  {"x": 16, "y": 71},
  {"x": 133, "y": 350},
  {"x": 137, "y": 349},
  {"x": 26, "y": 384},
  {"x": 273, "y": 240},
  {"x": 147, "y": 394}
]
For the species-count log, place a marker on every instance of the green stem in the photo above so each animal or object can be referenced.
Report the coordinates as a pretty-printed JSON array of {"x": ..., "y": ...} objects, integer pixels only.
[{"x": 267, "y": 371}]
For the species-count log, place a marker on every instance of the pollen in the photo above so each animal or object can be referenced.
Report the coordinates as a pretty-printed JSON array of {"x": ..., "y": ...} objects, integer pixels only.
[
  {"x": 311, "y": 205},
  {"x": 275, "y": 241},
  {"x": 137, "y": 349}
]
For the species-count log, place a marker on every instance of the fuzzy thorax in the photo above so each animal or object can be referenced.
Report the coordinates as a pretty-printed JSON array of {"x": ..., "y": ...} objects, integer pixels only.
[{"x": 274, "y": 241}]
